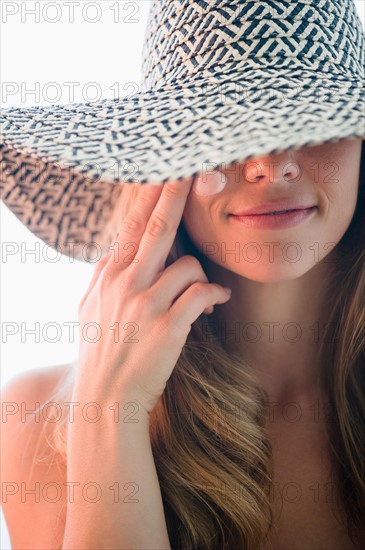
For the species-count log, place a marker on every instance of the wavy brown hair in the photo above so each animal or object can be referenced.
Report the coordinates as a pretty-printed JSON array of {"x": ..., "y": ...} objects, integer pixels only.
[{"x": 211, "y": 450}]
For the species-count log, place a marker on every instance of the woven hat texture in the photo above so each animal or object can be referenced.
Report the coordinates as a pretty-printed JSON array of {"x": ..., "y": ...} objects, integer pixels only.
[{"x": 222, "y": 82}]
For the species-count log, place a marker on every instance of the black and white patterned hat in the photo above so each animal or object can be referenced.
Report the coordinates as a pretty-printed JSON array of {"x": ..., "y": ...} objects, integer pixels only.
[{"x": 223, "y": 81}]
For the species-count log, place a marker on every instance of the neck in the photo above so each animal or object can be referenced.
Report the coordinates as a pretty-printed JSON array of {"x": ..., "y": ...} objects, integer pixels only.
[{"x": 276, "y": 327}]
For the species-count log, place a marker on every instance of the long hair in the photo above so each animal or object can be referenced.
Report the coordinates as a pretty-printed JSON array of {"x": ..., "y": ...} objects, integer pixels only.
[{"x": 212, "y": 455}]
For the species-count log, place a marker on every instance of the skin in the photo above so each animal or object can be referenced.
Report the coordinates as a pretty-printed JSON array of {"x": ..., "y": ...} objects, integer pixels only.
[
  {"x": 275, "y": 289},
  {"x": 166, "y": 302}
]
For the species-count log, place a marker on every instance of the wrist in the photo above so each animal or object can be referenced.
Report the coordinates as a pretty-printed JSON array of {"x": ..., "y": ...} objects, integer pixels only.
[{"x": 95, "y": 414}]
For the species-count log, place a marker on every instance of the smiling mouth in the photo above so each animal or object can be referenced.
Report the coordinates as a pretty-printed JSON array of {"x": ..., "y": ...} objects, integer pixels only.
[
  {"x": 279, "y": 212},
  {"x": 280, "y": 219},
  {"x": 273, "y": 212}
]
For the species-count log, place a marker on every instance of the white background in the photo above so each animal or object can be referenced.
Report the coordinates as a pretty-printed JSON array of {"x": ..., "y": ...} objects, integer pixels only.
[{"x": 102, "y": 59}]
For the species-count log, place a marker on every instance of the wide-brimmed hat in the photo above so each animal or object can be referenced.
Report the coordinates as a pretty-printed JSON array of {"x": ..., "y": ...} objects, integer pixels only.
[{"x": 222, "y": 82}]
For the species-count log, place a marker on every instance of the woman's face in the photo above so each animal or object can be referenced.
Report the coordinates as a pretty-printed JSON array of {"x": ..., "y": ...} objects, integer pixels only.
[{"x": 273, "y": 248}]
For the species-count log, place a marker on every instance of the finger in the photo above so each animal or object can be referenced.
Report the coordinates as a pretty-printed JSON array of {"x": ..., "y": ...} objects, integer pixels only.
[
  {"x": 187, "y": 308},
  {"x": 98, "y": 269},
  {"x": 133, "y": 226},
  {"x": 174, "y": 280},
  {"x": 160, "y": 233}
]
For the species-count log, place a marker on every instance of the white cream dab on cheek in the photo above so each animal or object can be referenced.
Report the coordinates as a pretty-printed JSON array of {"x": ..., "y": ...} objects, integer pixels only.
[{"x": 209, "y": 183}]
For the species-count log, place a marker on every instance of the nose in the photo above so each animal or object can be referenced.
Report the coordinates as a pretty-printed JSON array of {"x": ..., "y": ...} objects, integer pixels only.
[{"x": 276, "y": 168}]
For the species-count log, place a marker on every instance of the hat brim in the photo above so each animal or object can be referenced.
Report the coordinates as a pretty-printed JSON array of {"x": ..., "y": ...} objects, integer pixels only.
[{"x": 61, "y": 165}]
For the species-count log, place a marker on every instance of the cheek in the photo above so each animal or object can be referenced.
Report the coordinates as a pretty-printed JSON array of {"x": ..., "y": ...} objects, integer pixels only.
[
  {"x": 196, "y": 219},
  {"x": 338, "y": 208},
  {"x": 346, "y": 204},
  {"x": 206, "y": 184},
  {"x": 190, "y": 215},
  {"x": 341, "y": 189},
  {"x": 198, "y": 204}
]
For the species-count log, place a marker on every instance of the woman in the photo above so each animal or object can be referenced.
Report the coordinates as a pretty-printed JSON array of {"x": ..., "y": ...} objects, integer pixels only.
[
  {"x": 248, "y": 441},
  {"x": 178, "y": 426}
]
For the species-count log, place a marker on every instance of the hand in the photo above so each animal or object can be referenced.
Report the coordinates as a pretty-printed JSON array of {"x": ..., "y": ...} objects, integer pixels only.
[{"x": 143, "y": 309}]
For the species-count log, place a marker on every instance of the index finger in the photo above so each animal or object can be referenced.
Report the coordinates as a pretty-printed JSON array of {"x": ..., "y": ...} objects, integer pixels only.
[
  {"x": 160, "y": 232},
  {"x": 133, "y": 224}
]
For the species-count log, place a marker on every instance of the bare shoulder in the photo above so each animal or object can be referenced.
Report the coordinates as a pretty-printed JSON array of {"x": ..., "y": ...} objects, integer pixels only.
[
  {"x": 34, "y": 494},
  {"x": 35, "y": 382}
]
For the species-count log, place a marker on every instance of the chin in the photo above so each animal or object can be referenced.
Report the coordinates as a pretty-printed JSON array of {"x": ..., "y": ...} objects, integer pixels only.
[{"x": 274, "y": 273}]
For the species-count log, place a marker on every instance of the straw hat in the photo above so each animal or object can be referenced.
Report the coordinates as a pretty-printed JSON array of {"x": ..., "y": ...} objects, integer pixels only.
[{"x": 222, "y": 81}]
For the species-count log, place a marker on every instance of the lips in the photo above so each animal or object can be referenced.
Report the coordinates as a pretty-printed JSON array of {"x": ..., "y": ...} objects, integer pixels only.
[
  {"x": 275, "y": 220},
  {"x": 276, "y": 208},
  {"x": 277, "y": 212}
]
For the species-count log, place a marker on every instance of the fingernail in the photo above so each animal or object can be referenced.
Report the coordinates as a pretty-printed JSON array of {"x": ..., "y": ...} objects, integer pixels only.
[
  {"x": 228, "y": 290},
  {"x": 206, "y": 184}
]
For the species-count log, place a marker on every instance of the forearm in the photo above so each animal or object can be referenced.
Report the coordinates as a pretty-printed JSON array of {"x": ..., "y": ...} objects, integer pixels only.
[{"x": 129, "y": 512}]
